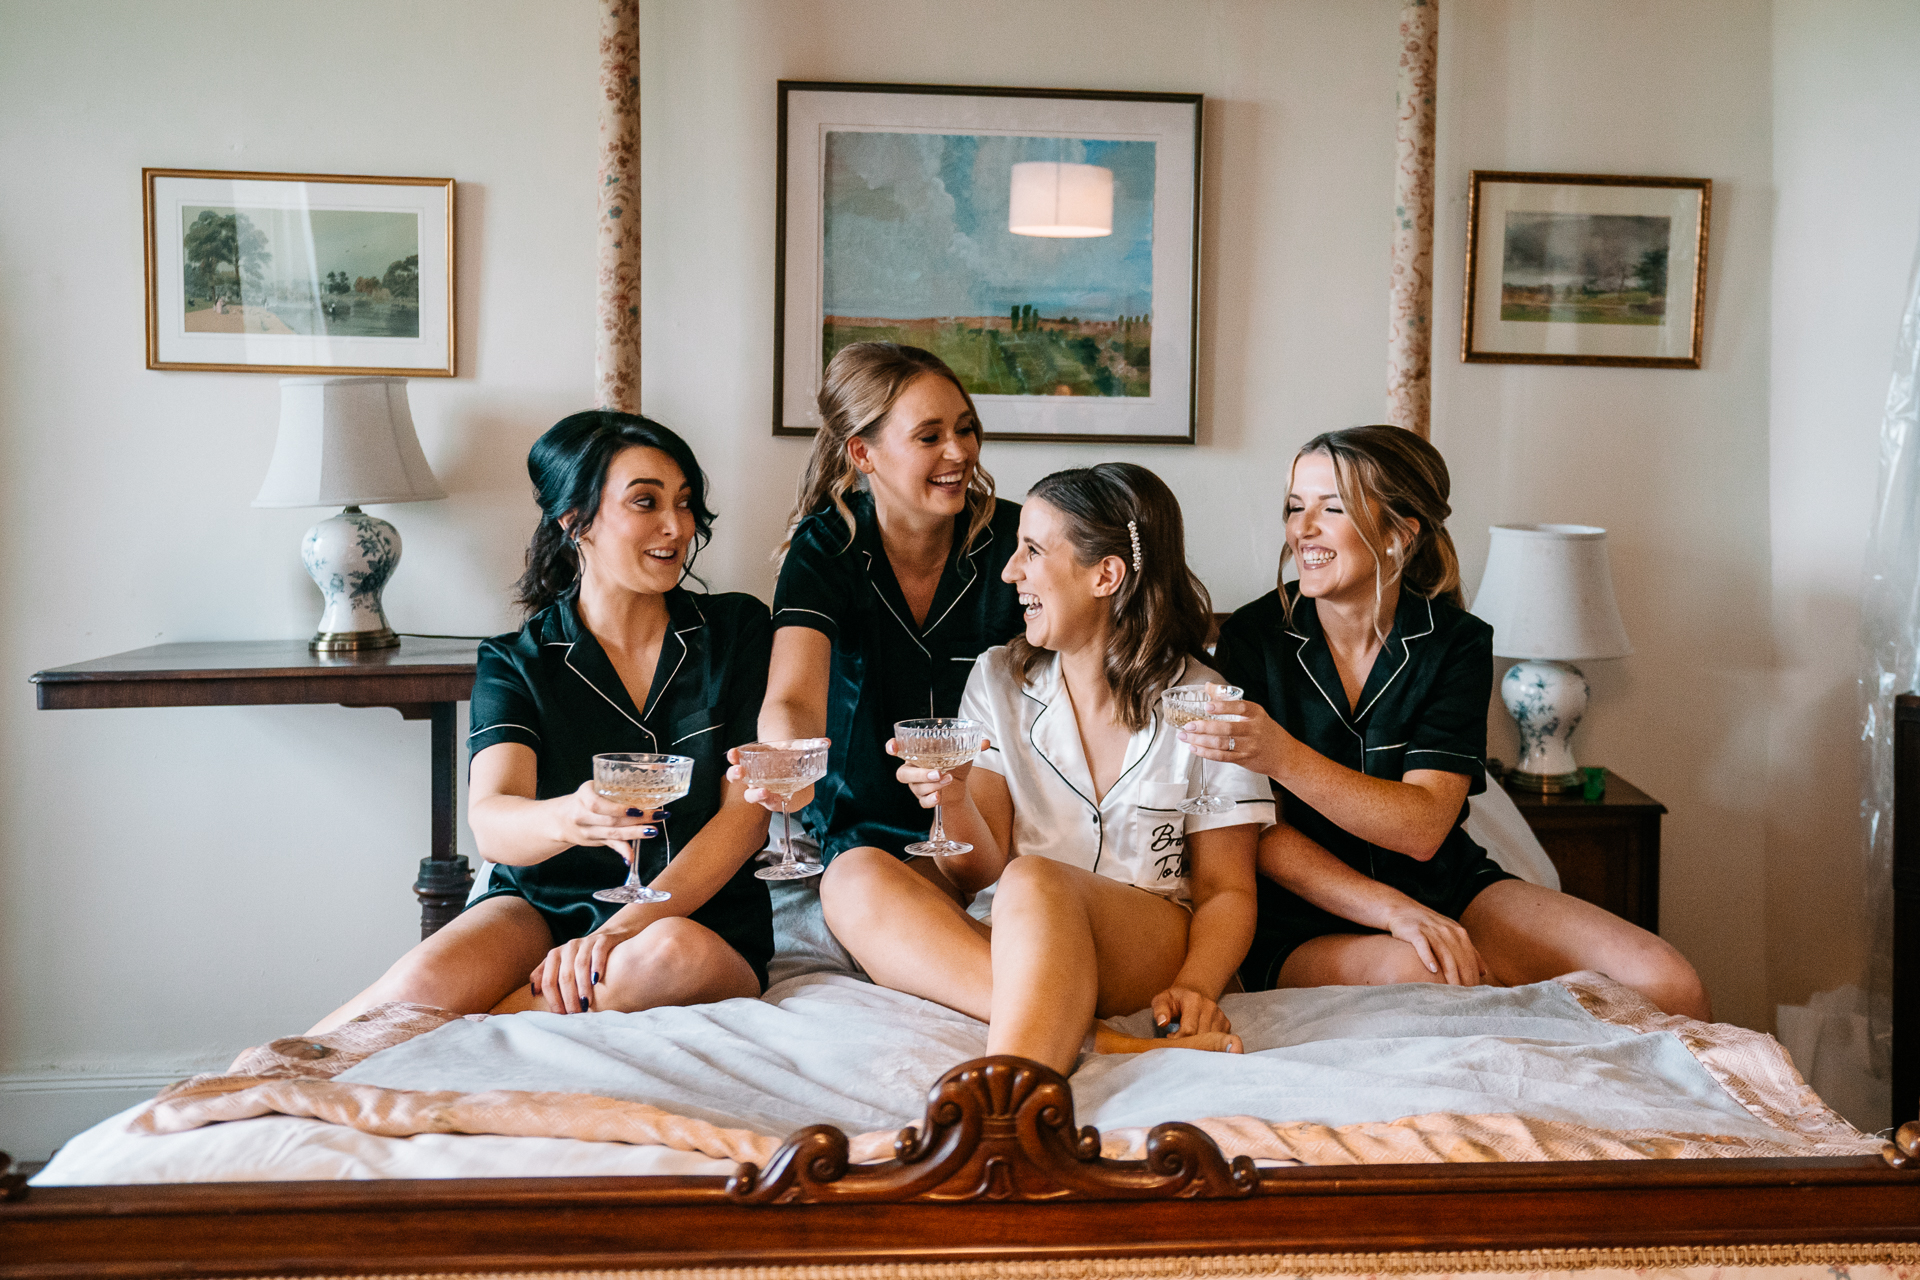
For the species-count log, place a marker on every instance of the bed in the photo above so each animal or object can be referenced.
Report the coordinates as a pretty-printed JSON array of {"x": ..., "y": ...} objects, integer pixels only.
[{"x": 454, "y": 1168}]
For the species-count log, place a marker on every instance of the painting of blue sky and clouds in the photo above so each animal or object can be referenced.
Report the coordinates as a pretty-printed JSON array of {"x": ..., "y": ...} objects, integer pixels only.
[{"x": 917, "y": 250}]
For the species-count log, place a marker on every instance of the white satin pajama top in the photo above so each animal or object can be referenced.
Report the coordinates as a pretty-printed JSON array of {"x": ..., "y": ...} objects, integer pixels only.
[{"x": 1133, "y": 834}]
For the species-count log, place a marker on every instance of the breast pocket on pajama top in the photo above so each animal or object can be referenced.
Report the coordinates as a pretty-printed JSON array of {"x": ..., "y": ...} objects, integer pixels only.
[
  {"x": 1160, "y": 830},
  {"x": 699, "y": 735}
]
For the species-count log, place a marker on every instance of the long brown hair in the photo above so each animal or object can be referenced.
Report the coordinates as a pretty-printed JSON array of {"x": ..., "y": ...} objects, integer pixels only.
[
  {"x": 1160, "y": 614},
  {"x": 863, "y": 382},
  {"x": 1389, "y": 478}
]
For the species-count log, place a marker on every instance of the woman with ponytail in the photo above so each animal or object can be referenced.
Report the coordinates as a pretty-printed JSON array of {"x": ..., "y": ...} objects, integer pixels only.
[
  {"x": 887, "y": 589},
  {"x": 1092, "y": 893},
  {"x": 1367, "y": 686},
  {"x": 616, "y": 656}
]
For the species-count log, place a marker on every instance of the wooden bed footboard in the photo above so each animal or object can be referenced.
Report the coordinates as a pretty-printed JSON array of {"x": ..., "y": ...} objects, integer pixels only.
[{"x": 998, "y": 1171}]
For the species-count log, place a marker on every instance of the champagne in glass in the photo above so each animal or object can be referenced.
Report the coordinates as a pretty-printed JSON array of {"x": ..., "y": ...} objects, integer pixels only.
[
  {"x": 1184, "y": 704},
  {"x": 784, "y": 768},
  {"x": 943, "y": 744},
  {"x": 644, "y": 781}
]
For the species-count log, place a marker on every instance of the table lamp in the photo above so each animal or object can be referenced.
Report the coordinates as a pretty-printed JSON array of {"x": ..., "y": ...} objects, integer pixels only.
[
  {"x": 1548, "y": 595},
  {"x": 345, "y": 441}
]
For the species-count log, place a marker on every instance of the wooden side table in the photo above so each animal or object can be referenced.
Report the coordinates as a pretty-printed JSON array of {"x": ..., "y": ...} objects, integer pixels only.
[
  {"x": 423, "y": 679},
  {"x": 1607, "y": 851}
]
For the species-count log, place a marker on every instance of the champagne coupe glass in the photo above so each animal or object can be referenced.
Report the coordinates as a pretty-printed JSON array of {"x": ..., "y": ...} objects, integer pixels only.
[
  {"x": 640, "y": 780},
  {"x": 784, "y": 768},
  {"x": 944, "y": 743},
  {"x": 1182, "y": 705}
]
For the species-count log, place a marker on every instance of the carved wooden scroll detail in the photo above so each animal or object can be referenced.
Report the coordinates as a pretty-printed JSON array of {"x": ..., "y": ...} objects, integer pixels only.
[
  {"x": 997, "y": 1128},
  {"x": 1904, "y": 1151}
]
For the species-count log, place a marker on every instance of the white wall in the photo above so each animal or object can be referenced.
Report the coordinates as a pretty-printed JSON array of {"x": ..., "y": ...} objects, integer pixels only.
[
  {"x": 1847, "y": 171},
  {"x": 1672, "y": 462},
  {"x": 174, "y": 884}
]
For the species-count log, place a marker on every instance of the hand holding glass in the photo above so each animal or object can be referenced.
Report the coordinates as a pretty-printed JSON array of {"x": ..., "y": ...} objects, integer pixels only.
[
  {"x": 939, "y": 745},
  {"x": 641, "y": 781},
  {"x": 784, "y": 768},
  {"x": 1183, "y": 704}
]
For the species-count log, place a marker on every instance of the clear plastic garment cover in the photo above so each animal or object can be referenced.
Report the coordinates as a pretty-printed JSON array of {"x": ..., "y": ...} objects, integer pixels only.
[{"x": 1890, "y": 641}]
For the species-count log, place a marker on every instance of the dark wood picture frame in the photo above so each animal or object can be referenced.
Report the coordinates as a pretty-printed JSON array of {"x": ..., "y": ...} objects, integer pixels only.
[
  {"x": 1472, "y": 345},
  {"x": 780, "y": 237}
]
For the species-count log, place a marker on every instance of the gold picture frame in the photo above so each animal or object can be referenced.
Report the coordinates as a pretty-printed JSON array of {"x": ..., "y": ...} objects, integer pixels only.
[
  {"x": 299, "y": 273},
  {"x": 1585, "y": 269}
]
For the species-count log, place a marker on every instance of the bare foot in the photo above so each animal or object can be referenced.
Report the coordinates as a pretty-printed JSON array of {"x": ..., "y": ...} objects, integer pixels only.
[{"x": 1107, "y": 1040}]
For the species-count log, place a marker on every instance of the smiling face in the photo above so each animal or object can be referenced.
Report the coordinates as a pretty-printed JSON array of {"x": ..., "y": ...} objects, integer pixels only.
[
  {"x": 1063, "y": 601},
  {"x": 922, "y": 458},
  {"x": 1335, "y": 562},
  {"x": 639, "y": 538}
]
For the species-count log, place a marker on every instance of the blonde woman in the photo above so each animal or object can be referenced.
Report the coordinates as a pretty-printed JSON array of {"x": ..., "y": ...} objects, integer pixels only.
[
  {"x": 889, "y": 585},
  {"x": 1367, "y": 688}
]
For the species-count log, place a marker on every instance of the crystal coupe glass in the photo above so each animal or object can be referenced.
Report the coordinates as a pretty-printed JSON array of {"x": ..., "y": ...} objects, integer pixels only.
[
  {"x": 1182, "y": 705},
  {"x": 645, "y": 781},
  {"x": 943, "y": 743},
  {"x": 784, "y": 768}
]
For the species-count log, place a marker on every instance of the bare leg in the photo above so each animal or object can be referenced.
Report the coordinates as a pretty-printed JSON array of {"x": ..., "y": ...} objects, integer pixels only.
[
  {"x": 672, "y": 961},
  {"x": 478, "y": 957},
  {"x": 1528, "y": 934},
  {"x": 905, "y": 926},
  {"x": 1070, "y": 945},
  {"x": 1353, "y": 960}
]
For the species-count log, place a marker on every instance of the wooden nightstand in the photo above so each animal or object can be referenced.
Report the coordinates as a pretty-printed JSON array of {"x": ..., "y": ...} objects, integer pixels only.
[{"x": 1607, "y": 851}]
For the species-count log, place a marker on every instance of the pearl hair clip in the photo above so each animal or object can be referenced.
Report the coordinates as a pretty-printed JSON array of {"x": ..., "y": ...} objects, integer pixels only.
[{"x": 1133, "y": 532}]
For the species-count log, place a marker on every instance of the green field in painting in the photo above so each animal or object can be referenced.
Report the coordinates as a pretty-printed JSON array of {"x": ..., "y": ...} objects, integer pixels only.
[
  {"x": 1637, "y": 307},
  {"x": 1046, "y": 358}
]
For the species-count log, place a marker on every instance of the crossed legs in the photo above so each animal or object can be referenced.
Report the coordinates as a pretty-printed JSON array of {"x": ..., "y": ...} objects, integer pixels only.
[{"x": 1524, "y": 933}]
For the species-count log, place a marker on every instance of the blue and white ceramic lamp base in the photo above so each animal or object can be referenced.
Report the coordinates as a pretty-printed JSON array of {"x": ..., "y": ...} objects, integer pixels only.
[
  {"x": 350, "y": 557},
  {"x": 1546, "y": 700}
]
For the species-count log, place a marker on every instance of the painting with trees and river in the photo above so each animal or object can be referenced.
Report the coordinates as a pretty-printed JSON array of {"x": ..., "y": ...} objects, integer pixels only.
[
  {"x": 315, "y": 272},
  {"x": 1585, "y": 268},
  {"x": 917, "y": 250}
]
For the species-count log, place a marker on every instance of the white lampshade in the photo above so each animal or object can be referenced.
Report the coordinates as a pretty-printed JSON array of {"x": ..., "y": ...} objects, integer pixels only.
[
  {"x": 345, "y": 441},
  {"x": 1548, "y": 593},
  {"x": 1060, "y": 200}
]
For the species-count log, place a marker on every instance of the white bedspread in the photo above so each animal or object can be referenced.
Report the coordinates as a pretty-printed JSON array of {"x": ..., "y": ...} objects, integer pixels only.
[{"x": 832, "y": 1049}]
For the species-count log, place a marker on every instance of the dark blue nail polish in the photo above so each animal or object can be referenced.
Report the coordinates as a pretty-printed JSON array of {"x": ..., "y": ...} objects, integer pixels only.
[
  {"x": 595, "y": 980},
  {"x": 633, "y": 813},
  {"x": 583, "y": 1004}
]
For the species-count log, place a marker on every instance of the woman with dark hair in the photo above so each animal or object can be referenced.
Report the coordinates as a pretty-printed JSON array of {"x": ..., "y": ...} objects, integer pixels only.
[
  {"x": 1095, "y": 894},
  {"x": 1367, "y": 687},
  {"x": 887, "y": 591},
  {"x": 616, "y": 656}
]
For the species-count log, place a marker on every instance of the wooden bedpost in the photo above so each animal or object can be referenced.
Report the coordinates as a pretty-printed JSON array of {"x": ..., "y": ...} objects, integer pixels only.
[
  {"x": 616, "y": 355},
  {"x": 1410, "y": 309}
]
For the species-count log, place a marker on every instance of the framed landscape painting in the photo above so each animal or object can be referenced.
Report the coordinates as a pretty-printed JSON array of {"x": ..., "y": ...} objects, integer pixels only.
[
  {"x": 299, "y": 273},
  {"x": 1576, "y": 268},
  {"x": 1043, "y": 242}
]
